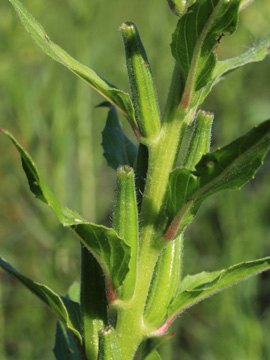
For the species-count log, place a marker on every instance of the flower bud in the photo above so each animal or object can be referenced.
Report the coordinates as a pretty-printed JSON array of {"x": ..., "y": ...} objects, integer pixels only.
[
  {"x": 179, "y": 7},
  {"x": 143, "y": 92},
  {"x": 125, "y": 223}
]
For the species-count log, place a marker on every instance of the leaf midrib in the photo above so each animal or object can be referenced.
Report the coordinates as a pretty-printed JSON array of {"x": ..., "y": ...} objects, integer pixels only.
[{"x": 195, "y": 56}]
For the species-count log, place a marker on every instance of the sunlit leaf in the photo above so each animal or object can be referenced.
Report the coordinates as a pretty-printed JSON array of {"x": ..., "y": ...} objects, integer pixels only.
[
  {"x": 227, "y": 168},
  {"x": 254, "y": 54},
  {"x": 112, "y": 252},
  {"x": 154, "y": 355},
  {"x": 67, "y": 310},
  {"x": 117, "y": 97},
  {"x": 195, "y": 38},
  {"x": 195, "y": 288}
]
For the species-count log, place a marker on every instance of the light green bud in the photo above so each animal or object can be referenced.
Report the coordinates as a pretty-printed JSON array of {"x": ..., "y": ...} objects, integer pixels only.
[{"x": 180, "y": 7}]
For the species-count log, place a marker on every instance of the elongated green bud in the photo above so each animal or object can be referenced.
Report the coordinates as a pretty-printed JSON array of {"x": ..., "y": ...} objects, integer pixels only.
[
  {"x": 125, "y": 223},
  {"x": 199, "y": 143},
  {"x": 142, "y": 87},
  {"x": 165, "y": 283},
  {"x": 108, "y": 345},
  {"x": 179, "y": 7}
]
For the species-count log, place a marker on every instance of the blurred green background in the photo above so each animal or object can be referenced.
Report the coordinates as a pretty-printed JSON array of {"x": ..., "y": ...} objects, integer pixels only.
[{"x": 52, "y": 114}]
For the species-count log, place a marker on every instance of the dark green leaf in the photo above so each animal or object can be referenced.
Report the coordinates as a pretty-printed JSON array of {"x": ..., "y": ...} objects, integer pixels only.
[
  {"x": 67, "y": 310},
  {"x": 112, "y": 252},
  {"x": 195, "y": 38},
  {"x": 118, "y": 149},
  {"x": 195, "y": 288},
  {"x": 149, "y": 347},
  {"x": 64, "y": 347},
  {"x": 227, "y": 168},
  {"x": 116, "y": 96}
]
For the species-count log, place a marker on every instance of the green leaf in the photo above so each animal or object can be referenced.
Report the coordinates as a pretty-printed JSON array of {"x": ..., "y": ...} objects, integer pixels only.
[
  {"x": 256, "y": 53},
  {"x": 227, "y": 168},
  {"x": 118, "y": 149},
  {"x": 64, "y": 347},
  {"x": 67, "y": 310},
  {"x": 154, "y": 355},
  {"x": 149, "y": 347},
  {"x": 74, "y": 292},
  {"x": 195, "y": 288},
  {"x": 116, "y": 96},
  {"x": 112, "y": 252},
  {"x": 195, "y": 39}
]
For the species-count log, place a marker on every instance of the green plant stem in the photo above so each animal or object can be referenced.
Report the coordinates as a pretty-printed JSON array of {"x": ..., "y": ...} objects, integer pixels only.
[
  {"x": 131, "y": 328},
  {"x": 162, "y": 157}
]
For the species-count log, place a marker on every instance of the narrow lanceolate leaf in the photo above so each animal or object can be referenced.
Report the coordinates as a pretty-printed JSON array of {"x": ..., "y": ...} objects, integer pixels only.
[
  {"x": 254, "y": 54},
  {"x": 199, "y": 143},
  {"x": 118, "y": 149},
  {"x": 125, "y": 223},
  {"x": 150, "y": 346},
  {"x": 165, "y": 283},
  {"x": 141, "y": 82},
  {"x": 196, "y": 288},
  {"x": 116, "y": 96},
  {"x": 67, "y": 310},
  {"x": 64, "y": 347},
  {"x": 112, "y": 252},
  {"x": 195, "y": 38},
  {"x": 227, "y": 168},
  {"x": 108, "y": 345}
]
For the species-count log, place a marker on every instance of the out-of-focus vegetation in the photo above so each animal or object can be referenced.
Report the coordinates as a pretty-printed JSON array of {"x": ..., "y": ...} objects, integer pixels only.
[{"x": 52, "y": 113}]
